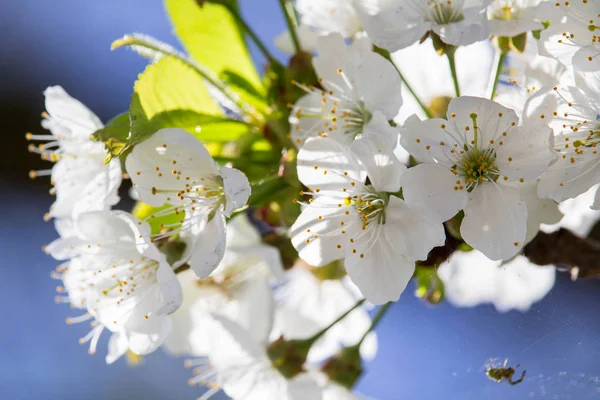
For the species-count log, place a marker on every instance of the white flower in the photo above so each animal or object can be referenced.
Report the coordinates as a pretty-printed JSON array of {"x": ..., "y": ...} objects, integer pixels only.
[
  {"x": 575, "y": 41},
  {"x": 307, "y": 37},
  {"x": 468, "y": 162},
  {"x": 513, "y": 17},
  {"x": 239, "y": 289},
  {"x": 82, "y": 182},
  {"x": 244, "y": 371},
  {"x": 318, "y": 18},
  {"x": 430, "y": 78},
  {"x": 359, "y": 88},
  {"x": 471, "y": 279},
  {"x": 329, "y": 16},
  {"x": 525, "y": 74},
  {"x": 396, "y": 24},
  {"x": 374, "y": 231},
  {"x": 122, "y": 279},
  {"x": 574, "y": 113},
  {"x": 173, "y": 167},
  {"x": 579, "y": 217},
  {"x": 333, "y": 391},
  {"x": 308, "y": 305}
]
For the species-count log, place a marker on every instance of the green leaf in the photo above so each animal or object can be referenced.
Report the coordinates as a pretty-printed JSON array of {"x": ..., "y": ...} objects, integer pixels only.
[
  {"x": 154, "y": 50},
  {"x": 143, "y": 211},
  {"x": 171, "y": 94},
  {"x": 114, "y": 135},
  {"x": 169, "y": 84},
  {"x": 213, "y": 38},
  {"x": 207, "y": 128},
  {"x": 519, "y": 42}
]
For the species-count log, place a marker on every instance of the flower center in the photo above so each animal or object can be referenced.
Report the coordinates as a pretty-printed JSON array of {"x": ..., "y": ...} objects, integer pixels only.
[
  {"x": 370, "y": 206},
  {"x": 477, "y": 167},
  {"x": 443, "y": 12},
  {"x": 355, "y": 118},
  {"x": 506, "y": 11}
]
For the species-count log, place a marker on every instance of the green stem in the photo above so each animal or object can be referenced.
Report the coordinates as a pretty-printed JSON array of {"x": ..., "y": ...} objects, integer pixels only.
[
  {"x": 318, "y": 335},
  {"x": 380, "y": 313},
  {"x": 386, "y": 54},
  {"x": 290, "y": 18},
  {"x": 261, "y": 46},
  {"x": 452, "y": 62},
  {"x": 498, "y": 72}
]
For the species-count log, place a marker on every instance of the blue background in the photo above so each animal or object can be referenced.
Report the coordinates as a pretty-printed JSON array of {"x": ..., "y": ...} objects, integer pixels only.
[{"x": 425, "y": 352}]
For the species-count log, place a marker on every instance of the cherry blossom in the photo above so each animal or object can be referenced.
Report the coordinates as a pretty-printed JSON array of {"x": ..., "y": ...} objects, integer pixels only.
[{"x": 469, "y": 160}]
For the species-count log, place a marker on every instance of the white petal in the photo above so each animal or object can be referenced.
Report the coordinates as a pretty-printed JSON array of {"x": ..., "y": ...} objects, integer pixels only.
[
  {"x": 412, "y": 234},
  {"x": 209, "y": 246},
  {"x": 430, "y": 190},
  {"x": 464, "y": 32},
  {"x": 430, "y": 140},
  {"x": 117, "y": 347},
  {"x": 527, "y": 151},
  {"x": 170, "y": 149},
  {"x": 492, "y": 118},
  {"x": 151, "y": 337},
  {"x": 71, "y": 113},
  {"x": 170, "y": 288},
  {"x": 495, "y": 221},
  {"x": 566, "y": 179},
  {"x": 236, "y": 187},
  {"x": 383, "y": 168},
  {"x": 382, "y": 274},
  {"x": 304, "y": 387},
  {"x": 317, "y": 233},
  {"x": 539, "y": 211},
  {"x": 324, "y": 163},
  {"x": 596, "y": 205},
  {"x": 379, "y": 84}
]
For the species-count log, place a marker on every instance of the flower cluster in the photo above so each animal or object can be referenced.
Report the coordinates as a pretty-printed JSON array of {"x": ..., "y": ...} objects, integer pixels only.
[{"x": 270, "y": 210}]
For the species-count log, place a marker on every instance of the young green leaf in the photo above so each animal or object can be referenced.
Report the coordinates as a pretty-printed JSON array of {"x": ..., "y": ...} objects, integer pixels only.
[{"x": 213, "y": 38}]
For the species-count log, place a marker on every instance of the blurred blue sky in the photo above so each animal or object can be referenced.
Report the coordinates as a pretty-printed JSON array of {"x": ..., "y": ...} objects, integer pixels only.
[{"x": 425, "y": 352}]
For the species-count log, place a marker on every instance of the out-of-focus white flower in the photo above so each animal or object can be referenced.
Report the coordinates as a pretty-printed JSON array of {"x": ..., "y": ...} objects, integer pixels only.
[
  {"x": 360, "y": 88},
  {"x": 333, "y": 391},
  {"x": 239, "y": 289},
  {"x": 330, "y": 16},
  {"x": 468, "y": 162},
  {"x": 374, "y": 231},
  {"x": 579, "y": 214},
  {"x": 471, "y": 279},
  {"x": 121, "y": 278},
  {"x": 243, "y": 369},
  {"x": 308, "y": 305},
  {"x": 82, "y": 181},
  {"x": 173, "y": 167},
  {"x": 573, "y": 40},
  {"x": 513, "y": 17},
  {"x": 321, "y": 17},
  {"x": 574, "y": 114},
  {"x": 429, "y": 76},
  {"x": 307, "y": 37},
  {"x": 396, "y": 24},
  {"x": 525, "y": 74}
]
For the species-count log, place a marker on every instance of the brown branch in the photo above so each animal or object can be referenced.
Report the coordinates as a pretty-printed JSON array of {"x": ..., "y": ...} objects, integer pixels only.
[{"x": 565, "y": 248}]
